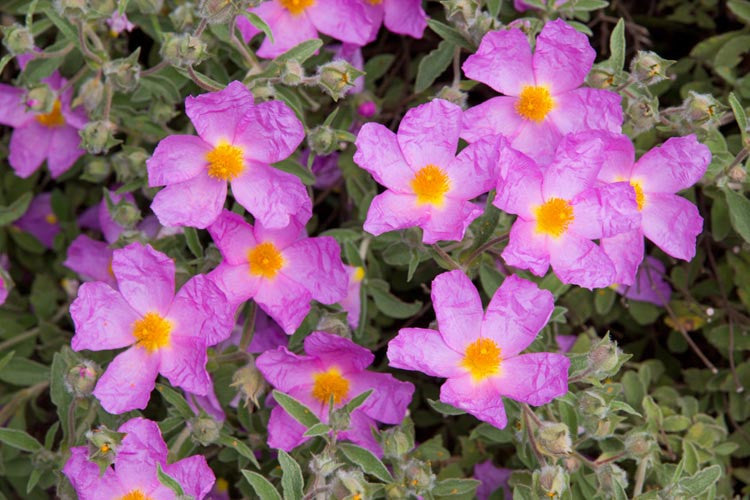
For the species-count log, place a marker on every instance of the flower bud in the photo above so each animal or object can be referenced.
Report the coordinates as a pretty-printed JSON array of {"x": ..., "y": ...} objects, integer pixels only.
[
  {"x": 639, "y": 444},
  {"x": 217, "y": 11},
  {"x": 183, "y": 49},
  {"x": 551, "y": 481},
  {"x": 206, "y": 430},
  {"x": 41, "y": 98},
  {"x": 148, "y": 6},
  {"x": 90, "y": 94},
  {"x": 70, "y": 9},
  {"x": 161, "y": 112},
  {"x": 610, "y": 473},
  {"x": 17, "y": 39},
  {"x": 250, "y": 382},
  {"x": 101, "y": 8},
  {"x": 130, "y": 163},
  {"x": 183, "y": 16},
  {"x": 642, "y": 114},
  {"x": 702, "y": 109},
  {"x": 367, "y": 109},
  {"x": 96, "y": 170},
  {"x": 395, "y": 491},
  {"x": 81, "y": 379},
  {"x": 323, "y": 465},
  {"x": 604, "y": 358},
  {"x": 292, "y": 73},
  {"x": 738, "y": 174},
  {"x": 336, "y": 78},
  {"x": 648, "y": 67},
  {"x": 340, "y": 420},
  {"x": 554, "y": 439},
  {"x": 97, "y": 137},
  {"x": 322, "y": 140},
  {"x": 453, "y": 95},
  {"x": 125, "y": 213},
  {"x": 601, "y": 78},
  {"x": 419, "y": 476},
  {"x": 353, "y": 480},
  {"x": 125, "y": 73},
  {"x": 396, "y": 443},
  {"x": 103, "y": 445}
]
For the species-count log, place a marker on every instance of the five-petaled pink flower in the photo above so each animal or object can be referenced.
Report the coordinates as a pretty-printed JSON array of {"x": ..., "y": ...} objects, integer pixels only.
[
  {"x": 237, "y": 140},
  {"x": 479, "y": 353},
  {"x": 428, "y": 185},
  {"x": 670, "y": 221},
  {"x": 333, "y": 367},
  {"x": 166, "y": 333},
  {"x": 542, "y": 100},
  {"x": 561, "y": 209},
  {"x": 281, "y": 269},
  {"x": 133, "y": 475}
]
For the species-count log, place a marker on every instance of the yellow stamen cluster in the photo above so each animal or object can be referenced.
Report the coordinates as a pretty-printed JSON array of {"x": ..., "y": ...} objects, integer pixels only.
[
  {"x": 534, "y": 103},
  {"x": 640, "y": 198},
  {"x": 152, "y": 332},
  {"x": 330, "y": 383},
  {"x": 225, "y": 162},
  {"x": 135, "y": 495},
  {"x": 554, "y": 217},
  {"x": 482, "y": 359},
  {"x": 296, "y": 6},
  {"x": 265, "y": 260},
  {"x": 430, "y": 185}
]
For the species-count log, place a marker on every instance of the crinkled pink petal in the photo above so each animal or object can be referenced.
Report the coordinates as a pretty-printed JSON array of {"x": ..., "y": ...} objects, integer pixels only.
[
  {"x": 235, "y": 282},
  {"x": 285, "y": 370},
  {"x": 64, "y": 150},
  {"x": 272, "y": 196},
  {"x": 675, "y": 165},
  {"x": 84, "y": 475},
  {"x": 526, "y": 249},
  {"x": 458, "y": 309},
  {"x": 315, "y": 263},
  {"x": 450, "y": 221},
  {"x": 90, "y": 259},
  {"x": 360, "y": 432},
  {"x": 141, "y": 449},
  {"x": 577, "y": 161},
  {"x": 580, "y": 261},
  {"x": 587, "y": 109},
  {"x": 562, "y": 57},
  {"x": 195, "y": 202},
  {"x": 193, "y": 474},
  {"x": 233, "y": 236},
  {"x": 424, "y": 350},
  {"x": 12, "y": 111},
  {"x": 177, "y": 158},
  {"x": 519, "y": 187},
  {"x": 344, "y": 20},
  {"x": 479, "y": 399},
  {"x": 625, "y": 250},
  {"x": 474, "y": 171},
  {"x": 494, "y": 116},
  {"x": 288, "y": 31},
  {"x": 537, "y": 140},
  {"x": 390, "y": 397},
  {"x": 282, "y": 237},
  {"x": 405, "y": 17},
  {"x": 29, "y": 147},
  {"x": 284, "y": 432},
  {"x": 284, "y": 300},
  {"x": 378, "y": 152},
  {"x": 672, "y": 223},
  {"x": 200, "y": 309},
  {"x": 183, "y": 362},
  {"x": 333, "y": 349},
  {"x": 390, "y": 211},
  {"x": 268, "y": 11},
  {"x": 428, "y": 134},
  {"x": 535, "y": 378},
  {"x": 515, "y": 315},
  {"x": 217, "y": 115},
  {"x": 269, "y": 132},
  {"x": 128, "y": 381},
  {"x": 145, "y": 278},
  {"x": 619, "y": 155},
  {"x": 605, "y": 210},
  {"x": 103, "y": 319},
  {"x": 503, "y": 61}
]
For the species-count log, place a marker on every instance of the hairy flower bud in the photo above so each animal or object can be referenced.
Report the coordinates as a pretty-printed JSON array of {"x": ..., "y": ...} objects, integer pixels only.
[
  {"x": 81, "y": 379},
  {"x": 337, "y": 77},
  {"x": 292, "y": 73},
  {"x": 96, "y": 170},
  {"x": 604, "y": 358},
  {"x": 161, "y": 112},
  {"x": 250, "y": 382},
  {"x": 648, "y": 67},
  {"x": 554, "y": 439},
  {"x": 206, "y": 430},
  {"x": 395, "y": 442},
  {"x": 601, "y": 78},
  {"x": 702, "y": 109},
  {"x": 639, "y": 444},
  {"x": 353, "y": 480},
  {"x": 124, "y": 73},
  {"x": 101, "y": 8},
  {"x": 323, "y": 465},
  {"x": 217, "y": 11},
  {"x": 642, "y": 114},
  {"x": 41, "y": 98},
  {"x": 183, "y": 16},
  {"x": 124, "y": 213},
  {"x": 103, "y": 445},
  {"x": 551, "y": 481},
  {"x": 322, "y": 140},
  {"x": 419, "y": 476},
  {"x": 17, "y": 39},
  {"x": 90, "y": 94},
  {"x": 453, "y": 95},
  {"x": 148, "y": 6},
  {"x": 97, "y": 137},
  {"x": 70, "y": 9},
  {"x": 183, "y": 49},
  {"x": 611, "y": 473}
]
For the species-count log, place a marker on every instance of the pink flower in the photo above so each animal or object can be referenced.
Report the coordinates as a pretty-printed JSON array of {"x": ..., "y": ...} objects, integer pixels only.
[
  {"x": 405, "y": 17},
  {"x": 40, "y": 221},
  {"x": 650, "y": 285},
  {"x": 118, "y": 23},
  {"x": 332, "y": 367},
  {"x": 542, "y": 100},
  {"x": 166, "y": 333},
  {"x": 37, "y": 137},
  {"x": 428, "y": 186},
  {"x": 479, "y": 352},
  {"x": 352, "y": 303},
  {"x": 91, "y": 259},
  {"x": 237, "y": 140},
  {"x": 134, "y": 472},
  {"x": 565, "y": 342},
  {"x": 492, "y": 478},
  {"x": 295, "y": 21},
  {"x": 668, "y": 220},
  {"x": 281, "y": 269},
  {"x": 561, "y": 210}
]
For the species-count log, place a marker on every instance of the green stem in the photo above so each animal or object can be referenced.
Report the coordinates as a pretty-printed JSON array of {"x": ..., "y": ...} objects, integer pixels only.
[
  {"x": 28, "y": 334},
  {"x": 443, "y": 255}
]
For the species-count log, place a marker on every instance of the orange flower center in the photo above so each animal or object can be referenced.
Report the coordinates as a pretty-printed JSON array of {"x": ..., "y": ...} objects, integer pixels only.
[
  {"x": 135, "y": 495},
  {"x": 330, "y": 383},
  {"x": 430, "y": 185},
  {"x": 534, "y": 103},
  {"x": 554, "y": 217},
  {"x": 359, "y": 274},
  {"x": 225, "y": 162},
  {"x": 640, "y": 198},
  {"x": 375, "y": 2},
  {"x": 482, "y": 359},
  {"x": 50, "y": 218},
  {"x": 152, "y": 332},
  {"x": 54, "y": 118},
  {"x": 296, "y": 6},
  {"x": 265, "y": 260}
]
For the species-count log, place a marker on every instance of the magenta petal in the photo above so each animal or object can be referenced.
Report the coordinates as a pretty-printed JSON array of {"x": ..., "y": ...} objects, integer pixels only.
[
  {"x": 450, "y": 221},
  {"x": 389, "y": 399},
  {"x": 272, "y": 196},
  {"x": 604, "y": 211},
  {"x": 141, "y": 449},
  {"x": 284, "y": 432},
  {"x": 537, "y": 140},
  {"x": 428, "y": 134},
  {"x": 587, "y": 109},
  {"x": 84, "y": 475},
  {"x": 91, "y": 259},
  {"x": 515, "y": 315},
  {"x": 193, "y": 474},
  {"x": 378, "y": 152},
  {"x": 577, "y": 161},
  {"x": 625, "y": 250},
  {"x": 177, "y": 158},
  {"x": 285, "y": 370},
  {"x": 29, "y": 146},
  {"x": 360, "y": 432},
  {"x": 519, "y": 186},
  {"x": 268, "y": 11},
  {"x": 480, "y": 400},
  {"x": 315, "y": 263},
  {"x": 344, "y": 20},
  {"x": 285, "y": 301},
  {"x": 269, "y": 132},
  {"x": 233, "y": 236},
  {"x": 332, "y": 349},
  {"x": 619, "y": 155},
  {"x": 390, "y": 211},
  {"x": 650, "y": 285},
  {"x": 675, "y": 165},
  {"x": 424, "y": 350},
  {"x": 672, "y": 223},
  {"x": 102, "y": 318},
  {"x": 458, "y": 309},
  {"x": 526, "y": 249},
  {"x": 128, "y": 381},
  {"x": 503, "y": 61},
  {"x": 64, "y": 150},
  {"x": 405, "y": 17},
  {"x": 200, "y": 309},
  {"x": 580, "y": 261},
  {"x": 216, "y": 115},
  {"x": 195, "y": 202},
  {"x": 235, "y": 282},
  {"x": 494, "y": 116},
  {"x": 12, "y": 111},
  {"x": 288, "y": 32},
  {"x": 474, "y": 171},
  {"x": 145, "y": 278},
  {"x": 535, "y": 378},
  {"x": 183, "y": 362},
  {"x": 562, "y": 58}
]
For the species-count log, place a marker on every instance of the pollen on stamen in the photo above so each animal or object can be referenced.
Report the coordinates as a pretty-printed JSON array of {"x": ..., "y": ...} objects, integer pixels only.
[
  {"x": 359, "y": 274},
  {"x": 330, "y": 383},
  {"x": 640, "y": 197},
  {"x": 225, "y": 161},
  {"x": 54, "y": 118},
  {"x": 430, "y": 185},
  {"x": 534, "y": 103},
  {"x": 296, "y": 6},
  {"x": 482, "y": 359},
  {"x": 265, "y": 260},
  {"x": 554, "y": 217},
  {"x": 135, "y": 495},
  {"x": 50, "y": 218},
  {"x": 152, "y": 332}
]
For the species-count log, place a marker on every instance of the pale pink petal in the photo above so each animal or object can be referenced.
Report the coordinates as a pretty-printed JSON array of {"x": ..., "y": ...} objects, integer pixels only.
[
  {"x": 344, "y": 20},
  {"x": 675, "y": 165},
  {"x": 625, "y": 250},
  {"x": 315, "y": 263},
  {"x": 284, "y": 432},
  {"x": 233, "y": 236},
  {"x": 282, "y": 237},
  {"x": 587, "y": 109},
  {"x": 562, "y": 58},
  {"x": 216, "y": 115},
  {"x": 516, "y": 313},
  {"x": 29, "y": 146},
  {"x": 494, "y": 116},
  {"x": 200, "y": 309},
  {"x": 672, "y": 223},
  {"x": 577, "y": 161},
  {"x": 141, "y": 449},
  {"x": 605, "y": 210},
  {"x": 285, "y": 301},
  {"x": 581, "y": 262},
  {"x": 235, "y": 282},
  {"x": 84, "y": 475},
  {"x": 90, "y": 259},
  {"x": 285, "y": 370},
  {"x": 458, "y": 309},
  {"x": 405, "y": 17},
  {"x": 102, "y": 318},
  {"x": 503, "y": 61},
  {"x": 288, "y": 32},
  {"x": 268, "y": 11},
  {"x": 195, "y": 202},
  {"x": 535, "y": 378},
  {"x": 478, "y": 399},
  {"x": 269, "y": 132},
  {"x": 177, "y": 158},
  {"x": 64, "y": 150},
  {"x": 193, "y": 474},
  {"x": 526, "y": 249},
  {"x": 12, "y": 111},
  {"x": 390, "y": 211},
  {"x": 428, "y": 134},
  {"x": 450, "y": 221},
  {"x": 378, "y": 152},
  {"x": 537, "y": 140},
  {"x": 342, "y": 352},
  {"x": 474, "y": 171},
  {"x": 128, "y": 381},
  {"x": 519, "y": 187},
  {"x": 389, "y": 399},
  {"x": 183, "y": 362},
  {"x": 145, "y": 278},
  {"x": 619, "y": 155},
  {"x": 424, "y": 350}
]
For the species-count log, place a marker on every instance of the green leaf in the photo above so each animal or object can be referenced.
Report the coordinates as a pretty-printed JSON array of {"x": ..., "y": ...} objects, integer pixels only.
[
  {"x": 294, "y": 167},
  {"x": 24, "y": 372},
  {"x": 377, "y": 65},
  {"x": 6, "y": 359},
  {"x": 739, "y": 114},
  {"x": 494, "y": 7},
  {"x": 450, "y": 34},
  {"x": 617, "y": 46},
  {"x": 19, "y": 440},
  {"x": 741, "y": 9},
  {"x": 259, "y": 23},
  {"x": 15, "y": 210},
  {"x": 176, "y": 399},
  {"x": 193, "y": 242},
  {"x": 357, "y": 401},
  {"x": 263, "y": 488},
  {"x": 296, "y": 410},
  {"x": 445, "y": 409},
  {"x": 320, "y": 429},
  {"x": 36, "y": 473},
  {"x": 433, "y": 65},
  {"x": 301, "y": 52},
  {"x": 739, "y": 213},
  {"x": 450, "y": 487},
  {"x": 240, "y": 447},
  {"x": 365, "y": 459},
  {"x": 588, "y": 5},
  {"x": 389, "y": 304},
  {"x": 291, "y": 477},
  {"x": 699, "y": 482},
  {"x": 169, "y": 481}
]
